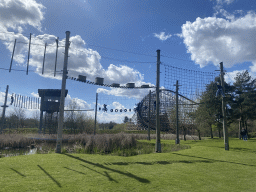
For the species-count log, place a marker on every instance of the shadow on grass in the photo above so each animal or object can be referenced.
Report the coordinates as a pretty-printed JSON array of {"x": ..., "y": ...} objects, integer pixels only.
[
  {"x": 243, "y": 149},
  {"x": 18, "y": 172},
  {"x": 159, "y": 162},
  {"x": 74, "y": 170},
  {"x": 214, "y": 160},
  {"x": 142, "y": 180},
  {"x": 106, "y": 174},
  {"x": 49, "y": 176}
]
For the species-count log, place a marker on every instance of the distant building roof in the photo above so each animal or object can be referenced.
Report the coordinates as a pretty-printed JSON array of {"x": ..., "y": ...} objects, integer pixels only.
[{"x": 50, "y": 92}]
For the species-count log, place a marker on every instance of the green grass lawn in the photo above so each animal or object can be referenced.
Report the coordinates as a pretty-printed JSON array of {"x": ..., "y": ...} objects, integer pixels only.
[{"x": 206, "y": 166}]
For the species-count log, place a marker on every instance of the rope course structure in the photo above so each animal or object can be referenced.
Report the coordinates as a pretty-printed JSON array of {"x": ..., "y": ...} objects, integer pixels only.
[
  {"x": 116, "y": 104},
  {"x": 25, "y": 102},
  {"x": 192, "y": 82},
  {"x": 113, "y": 85}
]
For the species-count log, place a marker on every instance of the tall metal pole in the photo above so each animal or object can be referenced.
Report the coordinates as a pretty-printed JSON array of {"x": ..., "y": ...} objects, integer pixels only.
[
  {"x": 29, "y": 52},
  {"x": 12, "y": 55},
  {"x": 57, "y": 45},
  {"x": 177, "y": 114},
  {"x": 96, "y": 106},
  {"x": 225, "y": 130},
  {"x": 62, "y": 96},
  {"x": 44, "y": 58},
  {"x": 149, "y": 108},
  {"x": 158, "y": 144},
  {"x": 4, "y": 107}
]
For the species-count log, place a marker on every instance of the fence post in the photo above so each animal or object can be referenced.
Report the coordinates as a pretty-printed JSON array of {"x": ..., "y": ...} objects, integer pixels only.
[{"x": 158, "y": 144}]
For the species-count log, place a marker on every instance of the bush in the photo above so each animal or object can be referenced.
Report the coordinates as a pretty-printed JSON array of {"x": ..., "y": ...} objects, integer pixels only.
[{"x": 252, "y": 135}]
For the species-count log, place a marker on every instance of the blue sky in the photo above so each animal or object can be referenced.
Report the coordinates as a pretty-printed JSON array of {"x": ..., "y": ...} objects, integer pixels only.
[{"x": 117, "y": 40}]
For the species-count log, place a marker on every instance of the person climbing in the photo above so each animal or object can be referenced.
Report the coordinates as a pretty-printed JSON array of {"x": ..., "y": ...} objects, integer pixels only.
[{"x": 220, "y": 90}]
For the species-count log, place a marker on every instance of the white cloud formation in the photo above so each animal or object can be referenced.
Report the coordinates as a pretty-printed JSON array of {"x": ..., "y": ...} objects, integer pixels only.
[
  {"x": 212, "y": 40},
  {"x": 117, "y": 105},
  {"x": 80, "y": 104},
  {"x": 130, "y": 93},
  {"x": 81, "y": 61},
  {"x": 225, "y": 1},
  {"x": 17, "y": 13},
  {"x": 116, "y": 117},
  {"x": 35, "y": 94},
  {"x": 162, "y": 36},
  {"x": 230, "y": 76}
]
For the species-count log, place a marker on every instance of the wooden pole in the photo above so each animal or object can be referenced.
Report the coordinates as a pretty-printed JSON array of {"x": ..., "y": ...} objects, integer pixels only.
[
  {"x": 4, "y": 107},
  {"x": 62, "y": 96},
  {"x": 225, "y": 130}
]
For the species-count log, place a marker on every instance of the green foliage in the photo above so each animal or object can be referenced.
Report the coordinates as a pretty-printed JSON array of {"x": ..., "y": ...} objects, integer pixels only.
[
  {"x": 126, "y": 119},
  {"x": 244, "y": 105},
  {"x": 120, "y": 127}
]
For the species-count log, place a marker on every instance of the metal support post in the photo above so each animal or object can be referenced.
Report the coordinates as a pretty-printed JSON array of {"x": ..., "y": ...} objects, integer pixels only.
[
  {"x": 158, "y": 143},
  {"x": 177, "y": 141},
  {"x": 12, "y": 55},
  {"x": 44, "y": 58},
  {"x": 96, "y": 106},
  {"x": 149, "y": 108},
  {"x": 57, "y": 45},
  {"x": 4, "y": 107},
  {"x": 225, "y": 130},
  {"x": 62, "y": 96},
  {"x": 29, "y": 52}
]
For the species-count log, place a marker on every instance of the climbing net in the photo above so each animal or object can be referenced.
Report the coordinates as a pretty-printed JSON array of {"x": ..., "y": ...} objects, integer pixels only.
[{"x": 192, "y": 83}]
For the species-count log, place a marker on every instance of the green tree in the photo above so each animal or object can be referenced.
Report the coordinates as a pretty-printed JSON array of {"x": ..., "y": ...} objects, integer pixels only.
[
  {"x": 244, "y": 105},
  {"x": 126, "y": 119},
  {"x": 210, "y": 108}
]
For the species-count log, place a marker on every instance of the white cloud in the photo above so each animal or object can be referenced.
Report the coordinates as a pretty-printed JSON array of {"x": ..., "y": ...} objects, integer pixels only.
[
  {"x": 117, "y": 117},
  {"x": 17, "y": 13},
  {"x": 81, "y": 104},
  {"x": 35, "y": 94},
  {"x": 130, "y": 93},
  {"x": 230, "y": 76},
  {"x": 81, "y": 61},
  {"x": 225, "y": 1},
  {"x": 212, "y": 40},
  {"x": 117, "y": 105},
  {"x": 162, "y": 36}
]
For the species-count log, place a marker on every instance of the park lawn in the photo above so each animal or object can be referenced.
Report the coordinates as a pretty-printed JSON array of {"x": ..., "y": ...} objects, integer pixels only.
[{"x": 206, "y": 166}]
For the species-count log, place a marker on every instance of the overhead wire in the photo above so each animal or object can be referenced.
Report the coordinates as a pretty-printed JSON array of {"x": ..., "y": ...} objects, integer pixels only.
[{"x": 109, "y": 58}]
